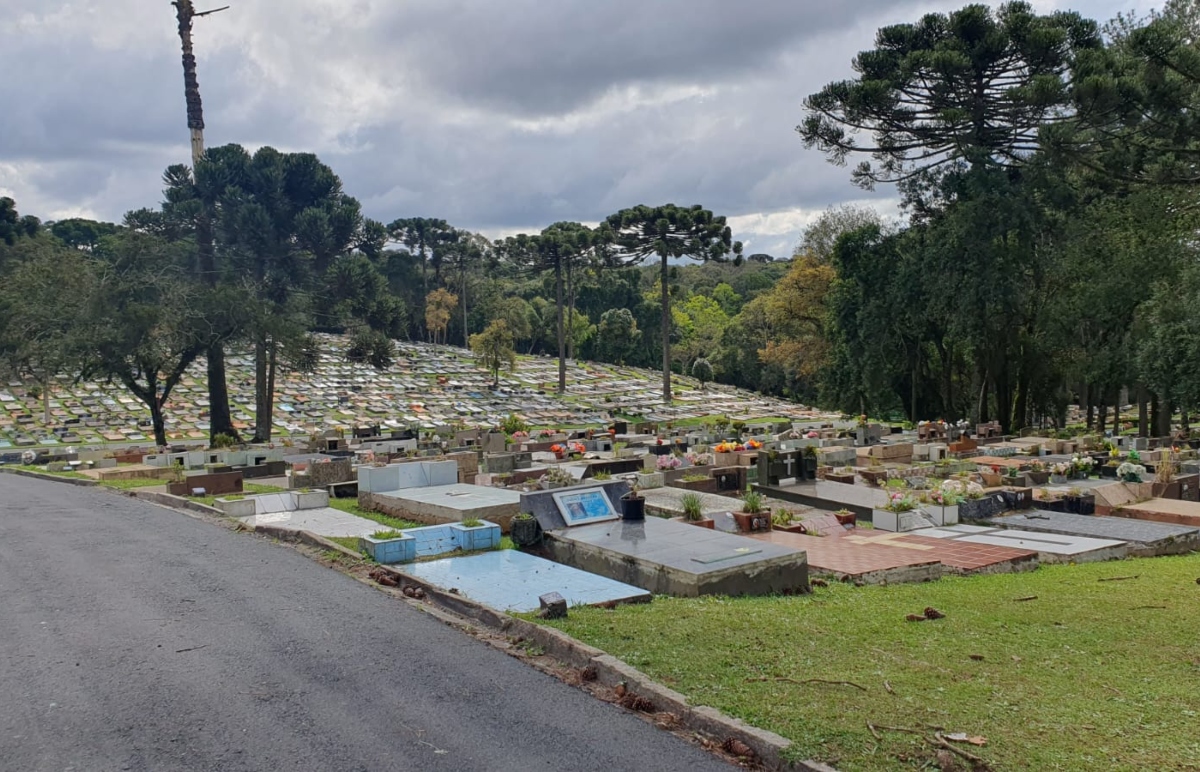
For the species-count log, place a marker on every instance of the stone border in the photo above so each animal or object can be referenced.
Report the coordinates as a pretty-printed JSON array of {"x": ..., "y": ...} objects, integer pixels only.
[
  {"x": 50, "y": 477},
  {"x": 769, "y": 748}
]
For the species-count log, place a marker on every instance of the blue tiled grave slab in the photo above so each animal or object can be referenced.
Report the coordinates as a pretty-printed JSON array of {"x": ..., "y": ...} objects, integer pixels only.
[
  {"x": 509, "y": 580},
  {"x": 672, "y": 558},
  {"x": 1145, "y": 538}
]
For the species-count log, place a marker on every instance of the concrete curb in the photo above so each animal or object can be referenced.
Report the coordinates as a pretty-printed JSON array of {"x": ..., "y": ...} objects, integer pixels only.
[
  {"x": 771, "y": 750},
  {"x": 172, "y": 502},
  {"x": 50, "y": 477}
]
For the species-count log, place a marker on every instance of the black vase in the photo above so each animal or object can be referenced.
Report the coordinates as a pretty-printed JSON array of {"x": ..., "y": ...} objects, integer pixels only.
[
  {"x": 526, "y": 533},
  {"x": 633, "y": 508}
]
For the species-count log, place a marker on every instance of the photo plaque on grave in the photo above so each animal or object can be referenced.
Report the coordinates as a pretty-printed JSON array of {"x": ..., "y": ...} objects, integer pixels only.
[{"x": 584, "y": 507}]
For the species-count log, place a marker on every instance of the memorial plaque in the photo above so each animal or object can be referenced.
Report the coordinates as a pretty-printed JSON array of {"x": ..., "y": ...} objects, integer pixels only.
[{"x": 586, "y": 506}]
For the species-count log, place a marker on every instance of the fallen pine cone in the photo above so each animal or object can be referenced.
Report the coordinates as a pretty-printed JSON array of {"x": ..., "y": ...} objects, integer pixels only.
[
  {"x": 819, "y": 583},
  {"x": 666, "y": 721},
  {"x": 915, "y": 618},
  {"x": 620, "y": 690},
  {"x": 588, "y": 673},
  {"x": 932, "y": 613},
  {"x": 408, "y": 591},
  {"x": 736, "y": 747},
  {"x": 419, "y": 593},
  {"x": 636, "y": 702}
]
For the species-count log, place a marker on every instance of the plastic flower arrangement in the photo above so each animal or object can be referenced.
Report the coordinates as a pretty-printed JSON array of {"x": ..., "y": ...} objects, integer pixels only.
[
  {"x": 557, "y": 449},
  {"x": 578, "y": 447},
  {"x": 700, "y": 459},
  {"x": 1062, "y": 469},
  {"x": 1131, "y": 473},
  {"x": 1082, "y": 464},
  {"x": 811, "y": 436},
  {"x": 1134, "y": 456},
  {"x": 960, "y": 489},
  {"x": 944, "y": 498},
  {"x": 667, "y": 462},
  {"x": 1037, "y": 466},
  {"x": 520, "y": 435},
  {"x": 753, "y": 444},
  {"x": 901, "y": 501}
]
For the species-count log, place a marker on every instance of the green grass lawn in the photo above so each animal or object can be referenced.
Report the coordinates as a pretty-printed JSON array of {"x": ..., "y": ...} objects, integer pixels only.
[
  {"x": 1090, "y": 674},
  {"x": 44, "y": 470},
  {"x": 351, "y": 506},
  {"x": 129, "y": 485}
]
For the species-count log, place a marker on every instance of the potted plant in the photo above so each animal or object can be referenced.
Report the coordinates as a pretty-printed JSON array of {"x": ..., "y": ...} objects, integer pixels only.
[
  {"x": 693, "y": 511},
  {"x": 754, "y": 516},
  {"x": 889, "y": 518},
  {"x": 1130, "y": 472},
  {"x": 633, "y": 505},
  {"x": 1080, "y": 467},
  {"x": 809, "y": 462},
  {"x": 389, "y": 546},
  {"x": 525, "y": 530},
  {"x": 1079, "y": 503},
  {"x": 846, "y": 517},
  {"x": 1051, "y": 500},
  {"x": 945, "y": 500},
  {"x": 1109, "y": 469},
  {"x": 473, "y": 534},
  {"x": 1059, "y": 472},
  {"x": 1038, "y": 475},
  {"x": 991, "y": 476}
]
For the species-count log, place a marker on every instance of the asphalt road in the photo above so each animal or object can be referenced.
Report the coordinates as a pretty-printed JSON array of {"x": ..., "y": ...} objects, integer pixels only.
[{"x": 136, "y": 638}]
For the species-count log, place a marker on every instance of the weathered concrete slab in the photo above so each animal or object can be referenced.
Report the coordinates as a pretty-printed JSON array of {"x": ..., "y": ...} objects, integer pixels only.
[
  {"x": 323, "y": 522},
  {"x": 450, "y": 504},
  {"x": 673, "y": 558},
  {"x": 509, "y": 580},
  {"x": 1145, "y": 538}
]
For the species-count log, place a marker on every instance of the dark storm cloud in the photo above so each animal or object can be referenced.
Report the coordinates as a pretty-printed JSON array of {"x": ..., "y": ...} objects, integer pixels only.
[
  {"x": 495, "y": 116},
  {"x": 534, "y": 57}
]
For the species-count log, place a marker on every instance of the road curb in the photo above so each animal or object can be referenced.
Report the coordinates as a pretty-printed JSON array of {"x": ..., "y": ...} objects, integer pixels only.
[
  {"x": 51, "y": 477},
  {"x": 771, "y": 750}
]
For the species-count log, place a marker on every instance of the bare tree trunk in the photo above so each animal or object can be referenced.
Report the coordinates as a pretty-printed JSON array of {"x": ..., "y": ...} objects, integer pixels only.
[
  {"x": 1143, "y": 412},
  {"x": 262, "y": 415},
  {"x": 570, "y": 313},
  {"x": 191, "y": 85},
  {"x": 466, "y": 336},
  {"x": 666, "y": 333},
  {"x": 272, "y": 368},
  {"x": 46, "y": 403},
  {"x": 562, "y": 344}
]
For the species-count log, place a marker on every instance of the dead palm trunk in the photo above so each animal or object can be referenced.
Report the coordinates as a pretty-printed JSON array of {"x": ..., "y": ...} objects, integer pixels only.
[{"x": 220, "y": 420}]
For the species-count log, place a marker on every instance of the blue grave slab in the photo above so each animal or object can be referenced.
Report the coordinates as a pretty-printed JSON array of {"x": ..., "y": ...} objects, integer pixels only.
[{"x": 509, "y": 580}]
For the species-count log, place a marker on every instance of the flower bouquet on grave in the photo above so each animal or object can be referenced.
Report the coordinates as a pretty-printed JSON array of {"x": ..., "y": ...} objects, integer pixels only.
[
  {"x": 1130, "y": 472},
  {"x": 663, "y": 463},
  {"x": 1081, "y": 466},
  {"x": 901, "y": 501},
  {"x": 558, "y": 450}
]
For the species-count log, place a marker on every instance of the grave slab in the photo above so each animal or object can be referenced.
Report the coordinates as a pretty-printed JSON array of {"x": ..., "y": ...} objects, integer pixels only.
[
  {"x": 961, "y": 556},
  {"x": 450, "y": 504},
  {"x": 510, "y": 580},
  {"x": 323, "y": 522},
  {"x": 844, "y": 559},
  {"x": 1054, "y": 548},
  {"x": 673, "y": 558},
  {"x": 1145, "y": 538}
]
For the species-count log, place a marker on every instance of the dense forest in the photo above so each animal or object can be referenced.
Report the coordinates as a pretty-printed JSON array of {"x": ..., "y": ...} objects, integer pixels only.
[{"x": 1044, "y": 253}]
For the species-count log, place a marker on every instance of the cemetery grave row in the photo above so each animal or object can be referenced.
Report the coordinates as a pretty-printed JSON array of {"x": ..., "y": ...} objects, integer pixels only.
[{"x": 426, "y": 387}]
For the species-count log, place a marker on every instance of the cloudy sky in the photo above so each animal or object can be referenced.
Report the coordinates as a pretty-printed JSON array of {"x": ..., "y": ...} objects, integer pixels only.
[{"x": 497, "y": 116}]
